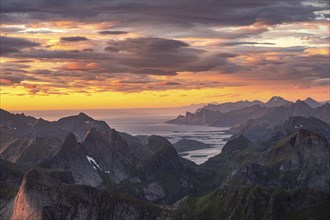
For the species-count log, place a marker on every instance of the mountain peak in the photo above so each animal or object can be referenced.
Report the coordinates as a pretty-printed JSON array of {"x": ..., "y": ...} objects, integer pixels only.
[
  {"x": 309, "y": 98},
  {"x": 276, "y": 101},
  {"x": 312, "y": 103},
  {"x": 83, "y": 115}
]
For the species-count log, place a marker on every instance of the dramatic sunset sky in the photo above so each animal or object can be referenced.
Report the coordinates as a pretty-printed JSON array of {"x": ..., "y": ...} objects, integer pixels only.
[{"x": 126, "y": 54}]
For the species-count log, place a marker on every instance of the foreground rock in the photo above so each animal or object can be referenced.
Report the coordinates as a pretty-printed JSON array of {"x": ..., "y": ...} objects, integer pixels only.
[
  {"x": 42, "y": 196},
  {"x": 255, "y": 202}
]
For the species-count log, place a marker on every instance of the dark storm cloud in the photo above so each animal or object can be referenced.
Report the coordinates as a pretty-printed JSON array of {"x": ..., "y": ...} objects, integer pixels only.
[
  {"x": 14, "y": 45},
  {"x": 261, "y": 49},
  {"x": 138, "y": 56},
  {"x": 293, "y": 64},
  {"x": 245, "y": 43},
  {"x": 73, "y": 39},
  {"x": 113, "y": 32},
  {"x": 112, "y": 49},
  {"x": 164, "y": 13},
  {"x": 147, "y": 45},
  {"x": 88, "y": 50},
  {"x": 14, "y": 74},
  {"x": 227, "y": 55},
  {"x": 155, "y": 72},
  {"x": 11, "y": 29}
]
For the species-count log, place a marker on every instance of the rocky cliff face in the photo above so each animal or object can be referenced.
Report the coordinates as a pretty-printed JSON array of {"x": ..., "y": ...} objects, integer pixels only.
[
  {"x": 264, "y": 130},
  {"x": 71, "y": 157},
  {"x": 112, "y": 153},
  {"x": 306, "y": 157},
  {"x": 255, "y": 202},
  {"x": 162, "y": 177},
  {"x": 300, "y": 159},
  {"x": 42, "y": 196}
]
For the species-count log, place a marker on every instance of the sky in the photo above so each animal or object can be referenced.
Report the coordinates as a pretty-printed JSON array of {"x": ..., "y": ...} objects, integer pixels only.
[{"x": 141, "y": 54}]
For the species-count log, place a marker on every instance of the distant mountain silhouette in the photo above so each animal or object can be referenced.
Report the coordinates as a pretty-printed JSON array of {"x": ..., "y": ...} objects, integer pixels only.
[
  {"x": 276, "y": 101},
  {"x": 278, "y": 113},
  {"x": 231, "y": 106},
  {"x": 312, "y": 103}
]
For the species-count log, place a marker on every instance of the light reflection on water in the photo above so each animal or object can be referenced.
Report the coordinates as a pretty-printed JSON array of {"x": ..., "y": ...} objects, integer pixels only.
[{"x": 151, "y": 122}]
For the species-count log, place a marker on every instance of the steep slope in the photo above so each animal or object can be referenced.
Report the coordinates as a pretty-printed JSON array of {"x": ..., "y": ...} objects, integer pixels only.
[
  {"x": 113, "y": 154},
  {"x": 276, "y": 101},
  {"x": 71, "y": 156},
  {"x": 11, "y": 176},
  {"x": 235, "y": 154},
  {"x": 42, "y": 196},
  {"x": 263, "y": 130},
  {"x": 254, "y": 129},
  {"x": 312, "y": 124},
  {"x": 312, "y": 103},
  {"x": 43, "y": 128},
  {"x": 301, "y": 159},
  {"x": 255, "y": 202},
  {"x": 31, "y": 152},
  {"x": 322, "y": 113},
  {"x": 162, "y": 178}
]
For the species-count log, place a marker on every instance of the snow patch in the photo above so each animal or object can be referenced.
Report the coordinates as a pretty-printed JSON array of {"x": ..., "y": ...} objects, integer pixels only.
[{"x": 92, "y": 161}]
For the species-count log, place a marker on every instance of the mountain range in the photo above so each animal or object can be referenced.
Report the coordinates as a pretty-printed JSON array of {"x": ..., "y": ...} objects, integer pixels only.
[
  {"x": 81, "y": 168},
  {"x": 275, "y": 110},
  {"x": 275, "y": 101}
]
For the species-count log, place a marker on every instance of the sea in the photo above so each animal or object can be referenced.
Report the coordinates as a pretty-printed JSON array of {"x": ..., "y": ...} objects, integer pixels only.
[{"x": 152, "y": 122}]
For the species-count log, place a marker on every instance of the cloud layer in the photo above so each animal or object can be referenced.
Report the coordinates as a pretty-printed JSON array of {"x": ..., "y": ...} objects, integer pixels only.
[{"x": 54, "y": 47}]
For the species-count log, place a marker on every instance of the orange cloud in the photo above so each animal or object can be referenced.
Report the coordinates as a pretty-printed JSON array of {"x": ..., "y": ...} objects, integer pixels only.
[
  {"x": 80, "y": 66},
  {"x": 318, "y": 51}
]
